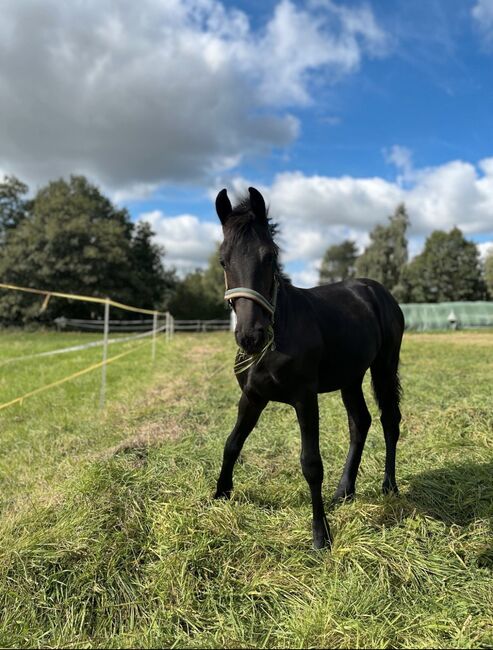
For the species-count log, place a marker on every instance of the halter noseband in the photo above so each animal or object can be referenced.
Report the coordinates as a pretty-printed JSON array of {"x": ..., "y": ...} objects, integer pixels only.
[{"x": 251, "y": 294}]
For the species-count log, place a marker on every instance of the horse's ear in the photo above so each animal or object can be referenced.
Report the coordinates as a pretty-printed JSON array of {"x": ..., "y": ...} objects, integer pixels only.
[
  {"x": 223, "y": 206},
  {"x": 258, "y": 204}
]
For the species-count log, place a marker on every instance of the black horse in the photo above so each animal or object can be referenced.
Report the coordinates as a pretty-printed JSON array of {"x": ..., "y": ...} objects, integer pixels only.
[{"x": 296, "y": 343}]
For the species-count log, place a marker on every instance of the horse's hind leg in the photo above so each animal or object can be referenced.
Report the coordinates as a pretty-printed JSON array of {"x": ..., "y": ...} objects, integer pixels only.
[
  {"x": 248, "y": 415},
  {"x": 386, "y": 386},
  {"x": 359, "y": 420}
]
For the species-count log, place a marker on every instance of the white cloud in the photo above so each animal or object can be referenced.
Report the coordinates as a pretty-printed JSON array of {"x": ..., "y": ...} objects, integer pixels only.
[
  {"x": 138, "y": 94},
  {"x": 485, "y": 249},
  {"x": 297, "y": 41},
  {"x": 307, "y": 277},
  {"x": 188, "y": 242},
  {"x": 317, "y": 211},
  {"x": 483, "y": 14},
  {"x": 402, "y": 158}
]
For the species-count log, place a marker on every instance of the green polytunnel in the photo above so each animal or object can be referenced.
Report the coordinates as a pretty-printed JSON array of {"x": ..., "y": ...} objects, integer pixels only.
[{"x": 448, "y": 315}]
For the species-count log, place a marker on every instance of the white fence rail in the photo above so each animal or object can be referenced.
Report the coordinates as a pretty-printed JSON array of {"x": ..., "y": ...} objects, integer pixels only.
[
  {"x": 202, "y": 325},
  {"x": 142, "y": 325},
  {"x": 97, "y": 325}
]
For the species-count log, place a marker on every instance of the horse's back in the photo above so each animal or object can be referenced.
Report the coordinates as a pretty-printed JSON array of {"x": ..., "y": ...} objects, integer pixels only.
[
  {"x": 358, "y": 321},
  {"x": 361, "y": 298}
]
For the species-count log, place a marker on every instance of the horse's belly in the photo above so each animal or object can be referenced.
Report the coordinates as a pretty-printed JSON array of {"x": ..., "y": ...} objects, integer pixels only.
[{"x": 335, "y": 374}]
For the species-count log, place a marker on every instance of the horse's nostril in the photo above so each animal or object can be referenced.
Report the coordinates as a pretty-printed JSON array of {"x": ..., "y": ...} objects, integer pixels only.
[
  {"x": 252, "y": 340},
  {"x": 259, "y": 333}
]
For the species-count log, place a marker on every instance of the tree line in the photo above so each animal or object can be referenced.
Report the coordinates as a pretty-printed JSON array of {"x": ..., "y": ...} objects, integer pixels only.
[
  {"x": 449, "y": 267},
  {"x": 71, "y": 238}
]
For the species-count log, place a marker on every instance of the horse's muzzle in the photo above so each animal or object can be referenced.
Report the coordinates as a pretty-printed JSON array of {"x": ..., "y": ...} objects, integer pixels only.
[{"x": 252, "y": 340}]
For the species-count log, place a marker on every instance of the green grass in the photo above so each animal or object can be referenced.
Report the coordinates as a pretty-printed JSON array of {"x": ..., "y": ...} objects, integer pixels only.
[{"x": 110, "y": 537}]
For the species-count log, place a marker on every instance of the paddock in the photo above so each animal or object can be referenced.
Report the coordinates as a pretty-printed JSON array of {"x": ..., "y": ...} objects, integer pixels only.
[{"x": 110, "y": 537}]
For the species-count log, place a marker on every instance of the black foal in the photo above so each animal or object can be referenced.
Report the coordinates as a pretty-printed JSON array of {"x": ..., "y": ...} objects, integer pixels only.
[{"x": 296, "y": 343}]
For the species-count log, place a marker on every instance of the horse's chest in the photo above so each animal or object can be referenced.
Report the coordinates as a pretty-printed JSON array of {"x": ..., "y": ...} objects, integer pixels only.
[
  {"x": 280, "y": 379},
  {"x": 267, "y": 388}
]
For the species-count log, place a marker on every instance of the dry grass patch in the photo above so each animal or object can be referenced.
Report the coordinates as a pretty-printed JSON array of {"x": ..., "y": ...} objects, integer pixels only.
[
  {"x": 170, "y": 392},
  {"x": 454, "y": 338},
  {"x": 150, "y": 434},
  {"x": 201, "y": 353}
]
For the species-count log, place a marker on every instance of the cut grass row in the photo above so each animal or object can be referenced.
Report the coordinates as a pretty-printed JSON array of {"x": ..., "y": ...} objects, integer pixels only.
[{"x": 110, "y": 537}]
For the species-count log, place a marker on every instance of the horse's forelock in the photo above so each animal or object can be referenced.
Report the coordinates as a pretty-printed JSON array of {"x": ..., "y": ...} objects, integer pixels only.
[{"x": 238, "y": 230}]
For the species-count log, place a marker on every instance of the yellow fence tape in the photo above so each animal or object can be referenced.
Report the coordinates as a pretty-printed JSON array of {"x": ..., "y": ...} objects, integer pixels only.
[{"x": 74, "y": 296}]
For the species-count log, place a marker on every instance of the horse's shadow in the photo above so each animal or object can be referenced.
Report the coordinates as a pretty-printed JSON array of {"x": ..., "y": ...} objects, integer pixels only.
[{"x": 457, "y": 494}]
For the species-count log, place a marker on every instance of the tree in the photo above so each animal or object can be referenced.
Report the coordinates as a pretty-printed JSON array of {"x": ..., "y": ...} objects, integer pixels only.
[
  {"x": 448, "y": 269},
  {"x": 13, "y": 205},
  {"x": 488, "y": 272},
  {"x": 74, "y": 240},
  {"x": 339, "y": 262},
  {"x": 386, "y": 255},
  {"x": 200, "y": 295},
  {"x": 214, "y": 286},
  {"x": 152, "y": 283}
]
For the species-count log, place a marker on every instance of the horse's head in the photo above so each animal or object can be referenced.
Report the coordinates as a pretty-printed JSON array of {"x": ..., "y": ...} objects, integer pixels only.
[{"x": 249, "y": 258}]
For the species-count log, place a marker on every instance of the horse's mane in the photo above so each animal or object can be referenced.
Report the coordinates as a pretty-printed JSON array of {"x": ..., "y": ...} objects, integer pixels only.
[{"x": 243, "y": 219}]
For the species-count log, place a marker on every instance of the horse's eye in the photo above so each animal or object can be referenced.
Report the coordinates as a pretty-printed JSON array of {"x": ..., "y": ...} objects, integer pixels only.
[{"x": 222, "y": 263}]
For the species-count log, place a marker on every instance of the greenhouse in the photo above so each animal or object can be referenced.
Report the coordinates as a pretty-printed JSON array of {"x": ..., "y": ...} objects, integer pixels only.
[{"x": 448, "y": 315}]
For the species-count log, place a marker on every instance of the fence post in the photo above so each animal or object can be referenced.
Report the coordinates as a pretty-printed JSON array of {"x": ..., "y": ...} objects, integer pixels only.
[
  {"x": 168, "y": 327},
  {"x": 105, "y": 352},
  {"x": 172, "y": 325},
  {"x": 154, "y": 332},
  {"x": 232, "y": 321}
]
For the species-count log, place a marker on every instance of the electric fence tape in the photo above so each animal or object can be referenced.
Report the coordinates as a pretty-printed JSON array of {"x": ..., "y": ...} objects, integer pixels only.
[
  {"x": 107, "y": 302},
  {"x": 77, "y": 348},
  {"x": 73, "y": 296},
  {"x": 79, "y": 373}
]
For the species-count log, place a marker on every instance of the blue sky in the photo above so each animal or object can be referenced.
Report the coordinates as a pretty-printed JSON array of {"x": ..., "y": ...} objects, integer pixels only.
[{"x": 335, "y": 110}]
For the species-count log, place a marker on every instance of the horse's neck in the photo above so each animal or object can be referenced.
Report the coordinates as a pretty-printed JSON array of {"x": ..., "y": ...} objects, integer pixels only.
[{"x": 284, "y": 298}]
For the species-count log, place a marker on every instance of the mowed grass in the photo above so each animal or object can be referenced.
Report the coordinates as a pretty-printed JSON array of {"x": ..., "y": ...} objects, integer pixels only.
[{"x": 109, "y": 536}]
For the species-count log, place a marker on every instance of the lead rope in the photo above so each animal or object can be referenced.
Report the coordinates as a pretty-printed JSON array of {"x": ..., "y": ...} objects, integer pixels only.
[{"x": 243, "y": 360}]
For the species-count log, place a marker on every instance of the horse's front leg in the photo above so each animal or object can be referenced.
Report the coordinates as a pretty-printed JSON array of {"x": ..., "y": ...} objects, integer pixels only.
[
  {"x": 312, "y": 467},
  {"x": 248, "y": 415}
]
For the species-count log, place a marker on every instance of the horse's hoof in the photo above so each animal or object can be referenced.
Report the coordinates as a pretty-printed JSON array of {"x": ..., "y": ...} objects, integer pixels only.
[
  {"x": 222, "y": 494},
  {"x": 390, "y": 487},
  {"x": 322, "y": 544},
  {"x": 342, "y": 496},
  {"x": 321, "y": 536}
]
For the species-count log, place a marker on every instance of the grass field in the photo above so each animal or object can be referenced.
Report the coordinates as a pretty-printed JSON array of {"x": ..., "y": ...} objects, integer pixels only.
[{"x": 109, "y": 536}]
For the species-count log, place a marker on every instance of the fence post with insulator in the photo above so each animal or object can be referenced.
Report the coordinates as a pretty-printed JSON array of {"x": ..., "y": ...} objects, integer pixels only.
[
  {"x": 105, "y": 351},
  {"x": 168, "y": 326},
  {"x": 154, "y": 333}
]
